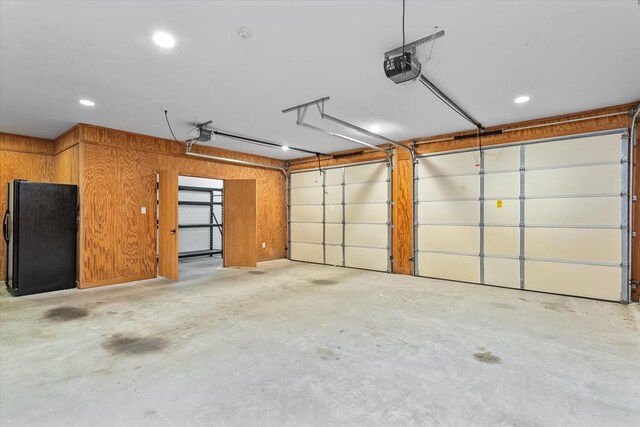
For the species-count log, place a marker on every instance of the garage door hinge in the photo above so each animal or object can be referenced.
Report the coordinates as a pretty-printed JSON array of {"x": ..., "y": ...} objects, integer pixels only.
[{"x": 633, "y": 234}]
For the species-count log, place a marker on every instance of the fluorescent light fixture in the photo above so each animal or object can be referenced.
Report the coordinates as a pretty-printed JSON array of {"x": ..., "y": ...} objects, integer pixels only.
[
  {"x": 285, "y": 148},
  {"x": 164, "y": 40},
  {"x": 87, "y": 102},
  {"x": 521, "y": 99}
]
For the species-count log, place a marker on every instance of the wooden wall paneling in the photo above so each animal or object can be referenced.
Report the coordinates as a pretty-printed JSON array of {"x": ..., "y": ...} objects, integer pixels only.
[
  {"x": 118, "y": 242},
  {"x": 402, "y": 214},
  {"x": 67, "y": 139},
  {"x": 134, "y": 141},
  {"x": 21, "y": 165},
  {"x": 136, "y": 231},
  {"x": 240, "y": 223},
  {"x": 98, "y": 222},
  {"x": 26, "y": 144},
  {"x": 67, "y": 166}
]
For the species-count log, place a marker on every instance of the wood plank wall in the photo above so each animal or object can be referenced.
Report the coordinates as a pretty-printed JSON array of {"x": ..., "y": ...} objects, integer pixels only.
[
  {"x": 22, "y": 158},
  {"x": 582, "y": 122},
  {"x": 118, "y": 177}
]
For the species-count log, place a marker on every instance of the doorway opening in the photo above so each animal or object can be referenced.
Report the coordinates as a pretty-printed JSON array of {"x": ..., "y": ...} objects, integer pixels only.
[
  {"x": 200, "y": 226},
  {"x": 198, "y": 218}
]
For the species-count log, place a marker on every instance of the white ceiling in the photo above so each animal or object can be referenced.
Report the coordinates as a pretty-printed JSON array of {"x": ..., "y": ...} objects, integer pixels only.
[{"x": 567, "y": 55}]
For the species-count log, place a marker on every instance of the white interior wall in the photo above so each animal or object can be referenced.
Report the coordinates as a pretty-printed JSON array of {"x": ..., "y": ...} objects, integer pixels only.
[{"x": 196, "y": 239}]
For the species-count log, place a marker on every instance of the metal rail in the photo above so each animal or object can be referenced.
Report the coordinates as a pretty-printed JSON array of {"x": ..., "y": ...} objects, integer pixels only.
[
  {"x": 444, "y": 98},
  {"x": 236, "y": 161}
]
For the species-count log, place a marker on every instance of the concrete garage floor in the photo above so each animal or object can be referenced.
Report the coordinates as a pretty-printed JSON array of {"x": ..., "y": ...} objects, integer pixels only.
[
  {"x": 300, "y": 344},
  {"x": 194, "y": 268}
]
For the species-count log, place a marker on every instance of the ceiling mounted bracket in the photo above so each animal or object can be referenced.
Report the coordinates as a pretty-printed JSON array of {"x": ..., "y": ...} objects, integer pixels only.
[
  {"x": 319, "y": 103},
  {"x": 411, "y": 47}
]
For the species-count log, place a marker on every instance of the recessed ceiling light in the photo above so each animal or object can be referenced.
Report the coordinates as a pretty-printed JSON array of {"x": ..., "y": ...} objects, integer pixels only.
[
  {"x": 244, "y": 32},
  {"x": 87, "y": 102},
  {"x": 521, "y": 99},
  {"x": 285, "y": 148},
  {"x": 164, "y": 40},
  {"x": 375, "y": 128}
]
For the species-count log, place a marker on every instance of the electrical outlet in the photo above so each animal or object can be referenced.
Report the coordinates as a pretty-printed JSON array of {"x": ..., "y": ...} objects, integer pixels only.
[
  {"x": 264, "y": 245},
  {"x": 143, "y": 210}
]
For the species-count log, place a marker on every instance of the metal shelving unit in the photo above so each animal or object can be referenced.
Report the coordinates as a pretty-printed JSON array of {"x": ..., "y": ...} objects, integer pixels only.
[{"x": 213, "y": 220}]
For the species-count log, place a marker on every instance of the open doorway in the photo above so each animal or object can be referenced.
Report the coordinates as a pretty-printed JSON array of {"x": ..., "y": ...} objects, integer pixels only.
[
  {"x": 200, "y": 226},
  {"x": 204, "y": 224}
]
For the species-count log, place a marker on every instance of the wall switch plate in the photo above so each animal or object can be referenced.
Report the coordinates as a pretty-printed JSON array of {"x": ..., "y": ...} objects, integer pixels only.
[
  {"x": 264, "y": 245},
  {"x": 143, "y": 210}
]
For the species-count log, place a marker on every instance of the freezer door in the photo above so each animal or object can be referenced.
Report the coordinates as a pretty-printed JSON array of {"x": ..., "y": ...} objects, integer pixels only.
[
  {"x": 44, "y": 234},
  {"x": 7, "y": 234}
]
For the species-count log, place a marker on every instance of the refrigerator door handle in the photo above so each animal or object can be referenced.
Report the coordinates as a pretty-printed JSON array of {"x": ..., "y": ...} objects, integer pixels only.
[{"x": 5, "y": 227}]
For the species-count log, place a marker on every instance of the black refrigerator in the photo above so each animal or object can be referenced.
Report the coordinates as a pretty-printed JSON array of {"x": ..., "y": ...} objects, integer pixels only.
[{"x": 39, "y": 230}]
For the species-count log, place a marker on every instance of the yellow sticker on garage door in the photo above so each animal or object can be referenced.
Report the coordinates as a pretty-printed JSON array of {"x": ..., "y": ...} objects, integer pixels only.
[{"x": 498, "y": 203}]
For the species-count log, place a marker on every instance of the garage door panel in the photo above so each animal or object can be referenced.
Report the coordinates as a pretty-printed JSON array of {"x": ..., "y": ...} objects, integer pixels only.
[
  {"x": 500, "y": 159},
  {"x": 449, "y": 187},
  {"x": 333, "y": 255},
  {"x": 449, "y": 164},
  {"x": 502, "y": 185},
  {"x": 306, "y": 252},
  {"x": 366, "y": 173},
  {"x": 306, "y": 213},
  {"x": 502, "y": 212},
  {"x": 333, "y": 234},
  {"x": 332, "y": 176},
  {"x": 449, "y": 238},
  {"x": 573, "y": 279},
  {"x": 366, "y": 193},
  {"x": 367, "y": 213},
  {"x": 572, "y": 211},
  {"x": 577, "y": 211},
  {"x": 460, "y": 212},
  {"x": 370, "y": 259},
  {"x": 306, "y": 179},
  {"x": 366, "y": 235},
  {"x": 502, "y": 241},
  {"x": 601, "y": 148},
  {"x": 306, "y": 196},
  {"x": 574, "y": 244},
  {"x": 603, "y": 179},
  {"x": 333, "y": 195},
  {"x": 306, "y": 232},
  {"x": 451, "y": 267},
  {"x": 502, "y": 272},
  {"x": 333, "y": 213}
]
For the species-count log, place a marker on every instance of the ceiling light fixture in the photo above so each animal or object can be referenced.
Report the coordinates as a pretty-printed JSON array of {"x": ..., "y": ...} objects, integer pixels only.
[
  {"x": 87, "y": 102},
  {"x": 521, "y": 99},
  {"x": 164, "y": 40},
  {"x": 244, "y": 32},
  {"x": 375, "y": 128},
  {"x": 285, "y": 148}
]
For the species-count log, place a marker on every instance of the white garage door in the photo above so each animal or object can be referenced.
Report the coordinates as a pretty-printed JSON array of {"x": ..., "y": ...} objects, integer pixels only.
[
  {"x": 342, "y": 216},
  {"x": 548, "y": 216}
]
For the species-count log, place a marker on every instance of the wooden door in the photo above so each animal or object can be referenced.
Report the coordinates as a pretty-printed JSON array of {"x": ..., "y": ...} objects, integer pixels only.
[
  {"x": 239, "y": 208},
  {"x": 168, "y": 225}
]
